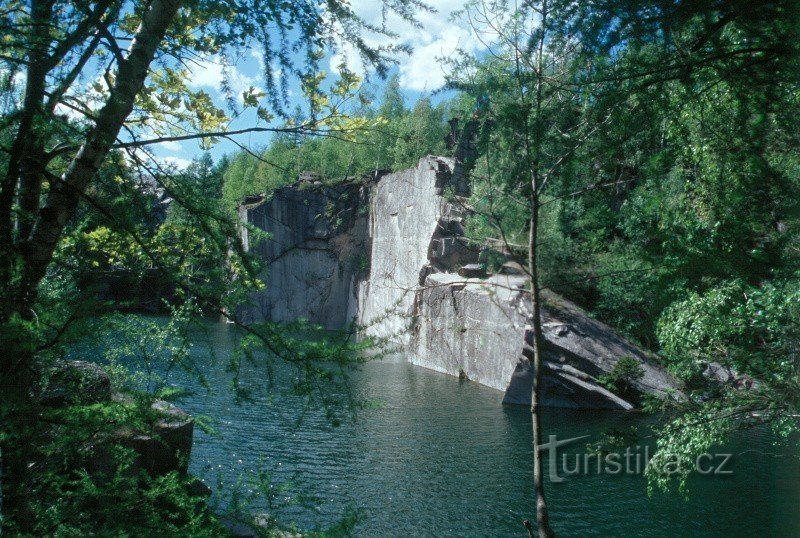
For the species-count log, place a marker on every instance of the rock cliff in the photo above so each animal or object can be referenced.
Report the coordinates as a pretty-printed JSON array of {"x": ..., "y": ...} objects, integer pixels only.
[
  {"x": 412, "y": 294},
  {"x": 477, "y": 328},
  {"x": 405, "y": 212},
  {"x": 314, "y": 252}
]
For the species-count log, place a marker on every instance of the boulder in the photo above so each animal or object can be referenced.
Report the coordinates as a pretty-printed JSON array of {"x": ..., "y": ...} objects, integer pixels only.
[
  {"x": 259, "y": 524},
  {"x": 75, "y": 383},
  {"x": 719, "y": 373},
  {"x": 725, "y": 375},
  {"x": 164, "y": 447},
  {"x": 168, "y": 445},
  {"x": 562, "y": 386},
  {"x": 198, "y": 488}
]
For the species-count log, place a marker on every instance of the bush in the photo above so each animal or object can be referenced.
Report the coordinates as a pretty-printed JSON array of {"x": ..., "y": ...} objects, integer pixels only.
[{"x": 622, "y": 376}]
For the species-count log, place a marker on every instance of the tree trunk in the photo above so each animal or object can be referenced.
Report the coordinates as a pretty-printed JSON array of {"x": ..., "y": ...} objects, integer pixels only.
[
  {"x": 17, "y": 409},
  {"x": 24, "y": 157},
  {"x": 66, "y": 193},
  {"x": 534, "y": 160},
  {"x": 542, "y": 518}
]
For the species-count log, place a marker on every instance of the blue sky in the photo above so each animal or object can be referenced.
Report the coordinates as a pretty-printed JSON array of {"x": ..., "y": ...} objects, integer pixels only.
[{"x": 419, "y": 73}]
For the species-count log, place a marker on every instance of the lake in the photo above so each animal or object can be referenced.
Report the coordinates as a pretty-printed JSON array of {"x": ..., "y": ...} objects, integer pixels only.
[{"x": 436, "y": 456}]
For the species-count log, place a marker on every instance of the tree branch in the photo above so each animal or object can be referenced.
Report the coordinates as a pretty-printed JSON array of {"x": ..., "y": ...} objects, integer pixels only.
[{"x": 63, "y": 199}]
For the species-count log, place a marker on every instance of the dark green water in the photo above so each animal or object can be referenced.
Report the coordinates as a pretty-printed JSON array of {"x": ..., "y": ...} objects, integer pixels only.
[{"x": 441, "y": 457}]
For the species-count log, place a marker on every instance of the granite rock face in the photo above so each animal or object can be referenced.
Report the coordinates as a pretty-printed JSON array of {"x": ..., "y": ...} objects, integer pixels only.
[
  {"x": 468, "y": 325},
  {"x": 314, "y": 253},
  {"x": 405, "y": 212},
  {"x": 478, "y": 328}
]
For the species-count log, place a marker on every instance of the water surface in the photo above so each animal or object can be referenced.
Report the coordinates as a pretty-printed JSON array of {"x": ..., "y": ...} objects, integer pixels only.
[{"x": 440, "y": 457}]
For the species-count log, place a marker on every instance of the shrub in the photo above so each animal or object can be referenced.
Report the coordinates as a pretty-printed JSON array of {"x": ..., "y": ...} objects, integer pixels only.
[{"x": 622, "y": 376}]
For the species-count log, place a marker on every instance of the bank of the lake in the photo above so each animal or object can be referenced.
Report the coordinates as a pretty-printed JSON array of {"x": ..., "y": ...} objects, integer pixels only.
[{"x": 439, "y": 457}]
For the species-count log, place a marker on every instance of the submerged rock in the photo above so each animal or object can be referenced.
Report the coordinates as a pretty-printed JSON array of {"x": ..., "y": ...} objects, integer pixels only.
[
  {"x": 198, "y": 488},
  {"x": 163, "y": 446},
  {"x": 169, "y": 445}
]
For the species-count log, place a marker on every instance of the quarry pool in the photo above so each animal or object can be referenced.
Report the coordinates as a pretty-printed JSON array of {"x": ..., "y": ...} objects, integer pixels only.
[{"x": 438, "y": 457}]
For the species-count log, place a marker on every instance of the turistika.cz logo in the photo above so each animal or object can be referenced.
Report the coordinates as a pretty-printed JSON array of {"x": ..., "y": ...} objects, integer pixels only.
[{"x": 633, "y": 461}]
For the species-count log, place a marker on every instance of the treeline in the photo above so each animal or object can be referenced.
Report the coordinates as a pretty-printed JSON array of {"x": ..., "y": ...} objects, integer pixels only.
[{"x": 402, "y": 136}]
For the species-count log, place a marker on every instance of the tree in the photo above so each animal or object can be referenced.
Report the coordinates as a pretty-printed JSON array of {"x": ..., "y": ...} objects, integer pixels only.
[
  {"x": 670, "y": 120},
  {"x": 520, "y": 90},
  {"x": 84, "y": 95},
  {"x": 420, "y": 132}
]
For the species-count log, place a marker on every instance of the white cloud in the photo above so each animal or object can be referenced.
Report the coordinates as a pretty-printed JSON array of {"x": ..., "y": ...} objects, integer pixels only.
[
  {"x": 171, "y": 145},
  {"x": 258, "y": 56},
  {"x": 177, "y": 162},
  {"x": 136, "y": 156},
  {"x": 422, "y": 71},
  {"x": 70, "y": 113},
  {"x": 210, "y": 72},
  {"x": 436, "y": 37}
]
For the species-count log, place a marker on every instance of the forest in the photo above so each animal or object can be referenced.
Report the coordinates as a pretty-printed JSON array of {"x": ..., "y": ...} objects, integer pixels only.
[{"x": 638, "y": 158}]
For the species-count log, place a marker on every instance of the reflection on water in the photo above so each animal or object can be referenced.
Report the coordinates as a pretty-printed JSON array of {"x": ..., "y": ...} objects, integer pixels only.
[{"x": 441, "y": 457}]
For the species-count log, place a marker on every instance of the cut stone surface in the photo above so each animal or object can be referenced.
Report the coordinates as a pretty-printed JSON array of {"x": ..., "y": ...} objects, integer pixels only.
[
  {"x": 472, "y": 270},
  {"x": 414, "y": 293},
  {"x": 480, "y": 328},
  {"x": 317, "y": 251}
]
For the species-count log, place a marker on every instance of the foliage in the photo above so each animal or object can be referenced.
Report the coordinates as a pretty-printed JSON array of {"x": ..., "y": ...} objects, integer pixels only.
[
  {"x": 664, "y": 135},
  {"x": 82, "y": 204},
  {"x": 671, "y": 211},
  {"x": 623, "y": 375},
  {"x": 393, "y": 138},
  {"x": 613, "y": 441},
  {"x": 76, "y": 502},
  {"x": 751, "y": 331}
]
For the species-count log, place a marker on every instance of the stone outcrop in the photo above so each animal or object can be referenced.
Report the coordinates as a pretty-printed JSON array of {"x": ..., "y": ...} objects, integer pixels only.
[
  {"x": 314, "y": 254},
  {"x": 477, "y": 328},
  {"x": 164, "y": 446},
  {"x": 75, "y": 382},
  {"x": 407, "y": 230},
  {"x": 470, "y": 324},
  {"x": 722, "y": 375}
]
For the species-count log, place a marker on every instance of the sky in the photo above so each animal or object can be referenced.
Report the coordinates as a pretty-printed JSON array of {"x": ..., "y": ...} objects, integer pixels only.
[{"x": 419, "y": 73}]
